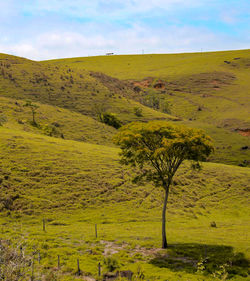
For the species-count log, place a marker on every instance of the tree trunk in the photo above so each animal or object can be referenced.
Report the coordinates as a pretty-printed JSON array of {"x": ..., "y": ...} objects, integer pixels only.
[{"x": 164, "y": 238}]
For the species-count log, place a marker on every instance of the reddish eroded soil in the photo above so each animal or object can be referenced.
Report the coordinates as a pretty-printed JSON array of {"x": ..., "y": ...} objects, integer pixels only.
[
  {"x": 244, "y": 132},
  {"x": 145, "y": 83},
  {"x": 196, "y": 83}
]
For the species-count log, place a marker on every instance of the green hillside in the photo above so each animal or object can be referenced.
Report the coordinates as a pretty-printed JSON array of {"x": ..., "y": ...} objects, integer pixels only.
[
  {"x": 64, "y": 169},
  {"x": 62, "y": 86},
  {"x": 75, "y": 185},
  {"x": 159, "y": 65},
  {"x": 84, "y": 92},
  {"x": 216, "y": 82},
  {"x": 54, "y": 121},
  {"x": 92, "y": 173}
]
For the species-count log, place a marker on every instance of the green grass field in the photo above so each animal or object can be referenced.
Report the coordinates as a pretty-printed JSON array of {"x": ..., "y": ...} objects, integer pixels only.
[{"x": 66, "y": 170}]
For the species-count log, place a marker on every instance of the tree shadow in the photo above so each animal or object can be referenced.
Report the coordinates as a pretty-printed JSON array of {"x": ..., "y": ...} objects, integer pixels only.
[{"x": 218, "y": 260}]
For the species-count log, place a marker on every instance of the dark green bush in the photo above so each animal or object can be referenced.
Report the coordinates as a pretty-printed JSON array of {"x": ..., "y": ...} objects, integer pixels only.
[{"x": 110, "y": 119}]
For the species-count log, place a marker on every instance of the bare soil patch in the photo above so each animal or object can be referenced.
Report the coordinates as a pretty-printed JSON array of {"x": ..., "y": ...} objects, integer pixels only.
[
  {"x": 244, "y": 132},
  {"x": 113, "y": 248},
  {"x": 196, "y": 83}
]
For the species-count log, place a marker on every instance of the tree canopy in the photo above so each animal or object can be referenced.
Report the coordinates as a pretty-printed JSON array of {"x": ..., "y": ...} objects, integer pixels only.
[{"x": 158, "y": 148}]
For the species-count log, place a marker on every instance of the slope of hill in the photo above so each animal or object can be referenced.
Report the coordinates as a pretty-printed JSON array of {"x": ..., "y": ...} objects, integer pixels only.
[
  {"x": 65, "y": 171},
  {"x": 63, "y": 123},
  {"x": 84, "y": 92},
  {"x": 209, "y": 87},
  {"x": 54, "y": 121},
  {"x": 62, "y": 86},
  {"x": 88, "y": 174},
  {"x": 75, "y": 185}
]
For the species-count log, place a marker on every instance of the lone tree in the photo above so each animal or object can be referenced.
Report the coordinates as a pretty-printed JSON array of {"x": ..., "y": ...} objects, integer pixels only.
[
  {"x": 158, "y": 149},
  {"x": 33, "y": 107}
]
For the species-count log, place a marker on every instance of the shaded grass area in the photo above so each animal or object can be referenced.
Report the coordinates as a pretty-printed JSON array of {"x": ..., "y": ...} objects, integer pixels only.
[{"x": 218, "y": 260}]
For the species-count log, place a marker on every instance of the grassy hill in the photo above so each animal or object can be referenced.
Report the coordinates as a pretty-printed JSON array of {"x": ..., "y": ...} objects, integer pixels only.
[
  {"x": 62, "y": 86},
  {"x": 69, "y": 86},
  {"x": 54, "y": 121},
  {"x": 215, "y": 82},
  {"x": 92, "y": 173},
  {"x": 75, "y": 185},
  {"x": 65, "y": 169}
]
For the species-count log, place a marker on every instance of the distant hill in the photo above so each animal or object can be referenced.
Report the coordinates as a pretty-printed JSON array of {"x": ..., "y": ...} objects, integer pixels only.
[
  {"x": 62, "y": 86},
  {"x": 215, "y": 100},
  {"x": 210, "y": 87}
]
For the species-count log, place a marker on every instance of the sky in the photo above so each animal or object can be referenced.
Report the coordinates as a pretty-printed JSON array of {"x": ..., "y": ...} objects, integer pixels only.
[{"x": 47, "y": 29}]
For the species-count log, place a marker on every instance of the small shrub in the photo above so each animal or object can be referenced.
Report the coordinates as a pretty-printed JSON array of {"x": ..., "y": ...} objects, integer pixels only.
[
  {"x": 111, "y": 263},
  {"x": 140, "y": 274},
  {"x": 165, "y": 107},
  {"x": 201, "y": 265},
  {"x": 3, "y": 119},
  {"x": 138, "y": 111},
  {"x": 50, "y": 130},
  {"x": 213, "y": 224},
  {"x": 221, "y": 273},
  {"x": 33, "y": 107}
]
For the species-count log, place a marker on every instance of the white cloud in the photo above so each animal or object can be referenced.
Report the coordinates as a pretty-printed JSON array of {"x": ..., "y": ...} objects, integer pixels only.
[
  {"x": 94, "y": 7},
  {"x": 27, "y": 50},
  {"x": 127, "y": 41}
]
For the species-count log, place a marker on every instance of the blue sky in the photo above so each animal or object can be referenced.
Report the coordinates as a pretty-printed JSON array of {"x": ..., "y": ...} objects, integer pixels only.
[{"x": 45, "y": 29}]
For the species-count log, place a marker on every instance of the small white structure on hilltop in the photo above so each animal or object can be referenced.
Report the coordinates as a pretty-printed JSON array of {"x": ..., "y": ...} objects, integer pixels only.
[{"x": 109, "y": 54}]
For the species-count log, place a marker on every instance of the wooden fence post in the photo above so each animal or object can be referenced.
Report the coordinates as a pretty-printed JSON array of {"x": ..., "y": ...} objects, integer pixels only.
[
  {"x": 78, "y": 268},
  {"x": 95, "y": 230},
  {"x": 99, "y": 269},
  {"x": 44, "y": 229},
  {"x": 58, "y": 262}
]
